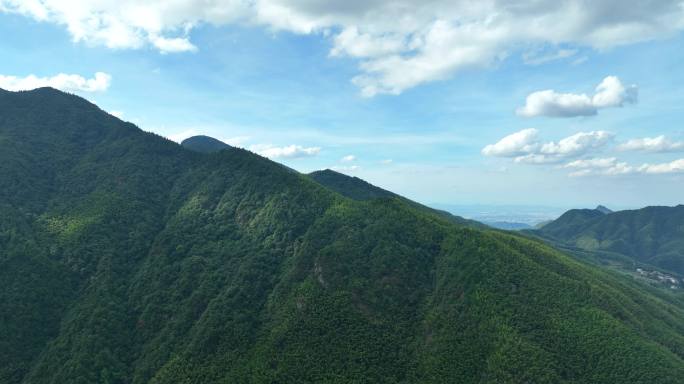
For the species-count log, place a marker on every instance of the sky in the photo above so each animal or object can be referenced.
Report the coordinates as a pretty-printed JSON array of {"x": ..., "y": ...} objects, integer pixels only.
[{"x": 491, "y": 102}]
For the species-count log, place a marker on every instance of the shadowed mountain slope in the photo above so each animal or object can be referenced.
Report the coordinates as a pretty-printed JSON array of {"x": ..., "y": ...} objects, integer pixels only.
[{"x": 204, "y": 144}]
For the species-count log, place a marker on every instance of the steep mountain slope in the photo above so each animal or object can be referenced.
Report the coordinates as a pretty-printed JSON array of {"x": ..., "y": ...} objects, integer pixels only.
[
  {"x": 204, "y": 144},
  {"x": 570, "y": 222},
  {"x": 652, "y": 235},
  {"x": 349, "y": 186},
  {"x": 125, "y": 258},
  {"x": 359, "y": 189}
]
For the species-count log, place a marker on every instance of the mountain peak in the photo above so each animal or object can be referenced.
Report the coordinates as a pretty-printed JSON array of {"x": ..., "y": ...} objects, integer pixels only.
[
  {"x": 603, "y": 209},
  {"x": 204, "y": 144}
]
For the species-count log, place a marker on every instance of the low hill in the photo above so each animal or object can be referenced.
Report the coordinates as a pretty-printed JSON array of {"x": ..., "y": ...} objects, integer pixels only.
[
  {"x": 651, "y": 235},
  {"x": 204, "y": 144},
  {"x": 126, "y": 258}
]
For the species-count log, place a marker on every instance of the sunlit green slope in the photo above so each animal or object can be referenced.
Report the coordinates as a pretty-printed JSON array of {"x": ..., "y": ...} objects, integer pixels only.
[{"x": 125, "y": 258}]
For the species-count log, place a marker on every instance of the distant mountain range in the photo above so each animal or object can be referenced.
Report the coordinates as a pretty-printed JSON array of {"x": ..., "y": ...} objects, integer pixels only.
[
  {"x": 127, "y": 258},
  {"x": 504, "y": 216},
  {"x": 651, "y": 235}
]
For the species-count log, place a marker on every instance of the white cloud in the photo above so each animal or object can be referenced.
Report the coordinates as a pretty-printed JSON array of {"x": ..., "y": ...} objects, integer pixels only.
[
  {"x": 675, "y": 166},
  {"x": 592, "y": 163},
  {"x": 577, "y": 144},
  {"x": 538, "y": 58},
  {"x": 69, "y": 83},
  {"x": 386, "y": 161},
  {"x": 516, "y": 144},
  {"x": 348, "y": 159},
  {"x": 612, "y": 167},
  {"x": 173, "y": 45},
  {"x": 352, "y": 43},
  {"x": 652, "y": 144},
  {"x": 610, "y": 93},
  {"x": 400, "y": 44},
  {"x": 288, "y": 152},
  {"x": 525, "y": 147},
  {"x": 553, "y": 104},
  {"x": 599, "y": 166}
]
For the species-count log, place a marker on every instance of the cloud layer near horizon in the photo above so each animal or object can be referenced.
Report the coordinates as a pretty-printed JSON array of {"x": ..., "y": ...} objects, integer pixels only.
[
  {"x": 398, "y": 44},
  {"x": 576, "y": 152},
  {"x": 65, "y": 82}
]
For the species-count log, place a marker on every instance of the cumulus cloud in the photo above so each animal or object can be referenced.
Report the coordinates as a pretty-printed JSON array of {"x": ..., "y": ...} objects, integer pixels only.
[
  {"x": 69, "y": 83},
  {"x": 599, "y": 166},
  {"x": 577, "y": 144},
  {"x": 525, "y": 147},
  {"x": 610, "y": 93},
  {"x": 348, "y": 159},
  {"x": 652, "y": 144},
  {"x": 399, "y": 44},
  {"x": 674, "y": 166},
  {"x": 612, "y": 167},
  {"x": 287, "y": 152},
  {"x": 516, "y": 144}
]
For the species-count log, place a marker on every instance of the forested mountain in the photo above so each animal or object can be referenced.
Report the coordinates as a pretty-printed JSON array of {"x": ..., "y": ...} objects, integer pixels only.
[
  {"x": 651, "y": 235},
  {"x": 358, "y": 189},
  {"x": 126, "y": 258},
  {"x": 204, "y": 144},
  {"x": 349, "y": 186}
]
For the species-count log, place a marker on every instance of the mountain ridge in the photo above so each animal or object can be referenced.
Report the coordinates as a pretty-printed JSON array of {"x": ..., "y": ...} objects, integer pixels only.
[
  {"x": 359, "y": 189},
  {"x": 652, "y": 235},
  {"x": 125, "y": 258}
]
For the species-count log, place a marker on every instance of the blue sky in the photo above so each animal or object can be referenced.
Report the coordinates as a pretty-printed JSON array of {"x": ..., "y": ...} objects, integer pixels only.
[{"x": 416, "y": 119}]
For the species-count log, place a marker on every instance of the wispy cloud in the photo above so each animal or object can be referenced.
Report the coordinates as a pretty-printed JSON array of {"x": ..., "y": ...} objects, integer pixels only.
[
  {"x": 538, "y": 58},
  {"x": 612, "y": 167}
]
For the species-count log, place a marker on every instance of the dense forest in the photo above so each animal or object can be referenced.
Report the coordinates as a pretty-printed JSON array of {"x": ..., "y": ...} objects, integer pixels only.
[
  {"x": 651, "y": 235},
  {"x": 127, "y": 258},
  {"x": 204, "y": 144}
]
